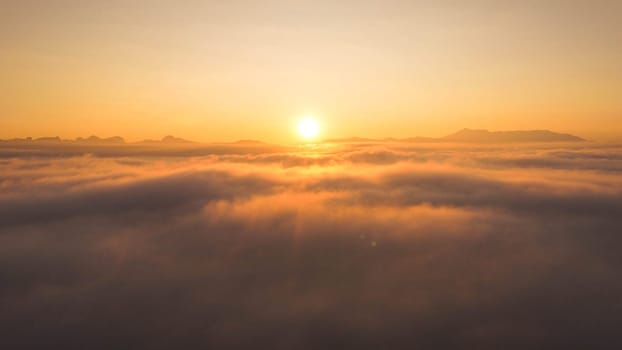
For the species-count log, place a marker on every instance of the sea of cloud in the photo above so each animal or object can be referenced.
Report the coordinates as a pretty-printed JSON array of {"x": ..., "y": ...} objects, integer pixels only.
[{"x": 347, "y": 246}]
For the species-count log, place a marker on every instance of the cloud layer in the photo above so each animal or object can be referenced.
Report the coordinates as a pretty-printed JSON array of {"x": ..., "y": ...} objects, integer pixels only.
[{"x": 350, "y": 247}]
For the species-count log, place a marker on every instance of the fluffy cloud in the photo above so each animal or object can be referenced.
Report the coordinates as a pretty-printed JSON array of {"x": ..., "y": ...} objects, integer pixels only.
[{"x": 356, "y": 246}]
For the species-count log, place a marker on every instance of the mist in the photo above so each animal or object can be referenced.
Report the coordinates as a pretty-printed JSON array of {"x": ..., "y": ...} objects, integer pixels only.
[{"x": 382, "y": 245}]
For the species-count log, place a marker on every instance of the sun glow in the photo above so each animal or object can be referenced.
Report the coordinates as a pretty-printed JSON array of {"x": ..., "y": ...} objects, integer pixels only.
[{"x": 308, "y": 128}]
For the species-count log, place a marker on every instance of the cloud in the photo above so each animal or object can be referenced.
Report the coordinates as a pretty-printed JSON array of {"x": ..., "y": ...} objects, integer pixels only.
[{"x": 386, "y": 246}]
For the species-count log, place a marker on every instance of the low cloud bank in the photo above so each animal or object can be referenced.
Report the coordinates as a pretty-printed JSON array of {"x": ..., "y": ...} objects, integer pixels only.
[{"x": 348, "y": 247}]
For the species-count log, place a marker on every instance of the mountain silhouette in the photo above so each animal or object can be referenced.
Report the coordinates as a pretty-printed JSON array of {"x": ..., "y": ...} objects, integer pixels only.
[
  {"x": 99, "y": 140},
  {"x": 462, "y": 136},
  {"x": 168, "y": 139},
  {"x": 54, "y": 139},
  {"x": 481, "y": 135}
]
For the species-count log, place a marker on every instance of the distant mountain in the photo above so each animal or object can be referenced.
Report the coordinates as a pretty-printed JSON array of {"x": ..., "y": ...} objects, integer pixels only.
[
  {"x": 27, "y": 139},
  {"x": 478, "y": 136},
  {"x": 463, "y": 136},
  {"x": 99, "y": 140},
  {"x": 80, "y": 140},
  {"x": 54, "y": 139},
  {"x": 169, "y": 139},
  {"x": 173, "y": 139},
  {"x": 485, "y": 136},
  {"x": 95, "y": 140}
]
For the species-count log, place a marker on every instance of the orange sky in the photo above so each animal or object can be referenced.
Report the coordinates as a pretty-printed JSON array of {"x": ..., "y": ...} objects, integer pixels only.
[{"x": 227, "y": 70}]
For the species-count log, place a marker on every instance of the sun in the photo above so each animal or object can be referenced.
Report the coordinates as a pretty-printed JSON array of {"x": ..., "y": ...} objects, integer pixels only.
[{"x": 308, "y": 128}]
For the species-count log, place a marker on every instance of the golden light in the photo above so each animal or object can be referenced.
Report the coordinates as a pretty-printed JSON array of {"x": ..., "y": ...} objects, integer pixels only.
[{"x": 308, "y": 128}]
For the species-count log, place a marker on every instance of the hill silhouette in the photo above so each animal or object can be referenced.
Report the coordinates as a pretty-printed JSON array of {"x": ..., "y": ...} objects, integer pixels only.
[
  {"x": 464, "y": 135},
  {"x": 479, "y": 136},
  {"x": 482, "y": 135},
  {"x": 168, "y": 139},
  {"x": 99, "y": 140}
]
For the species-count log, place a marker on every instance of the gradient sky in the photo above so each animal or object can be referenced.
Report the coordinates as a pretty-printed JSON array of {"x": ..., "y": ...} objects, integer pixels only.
[{"x": 226, "y": 70}]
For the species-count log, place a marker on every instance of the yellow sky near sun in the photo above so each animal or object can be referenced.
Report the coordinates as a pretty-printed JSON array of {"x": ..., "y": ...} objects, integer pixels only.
[{"x": 218, "y": 71}]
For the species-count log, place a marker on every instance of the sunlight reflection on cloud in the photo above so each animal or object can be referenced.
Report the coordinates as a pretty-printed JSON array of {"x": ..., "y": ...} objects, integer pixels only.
[{"x": 363, "y": 246}]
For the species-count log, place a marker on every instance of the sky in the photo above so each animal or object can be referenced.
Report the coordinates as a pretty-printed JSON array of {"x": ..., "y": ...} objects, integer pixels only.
[{"x": 228, "y": 70}]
